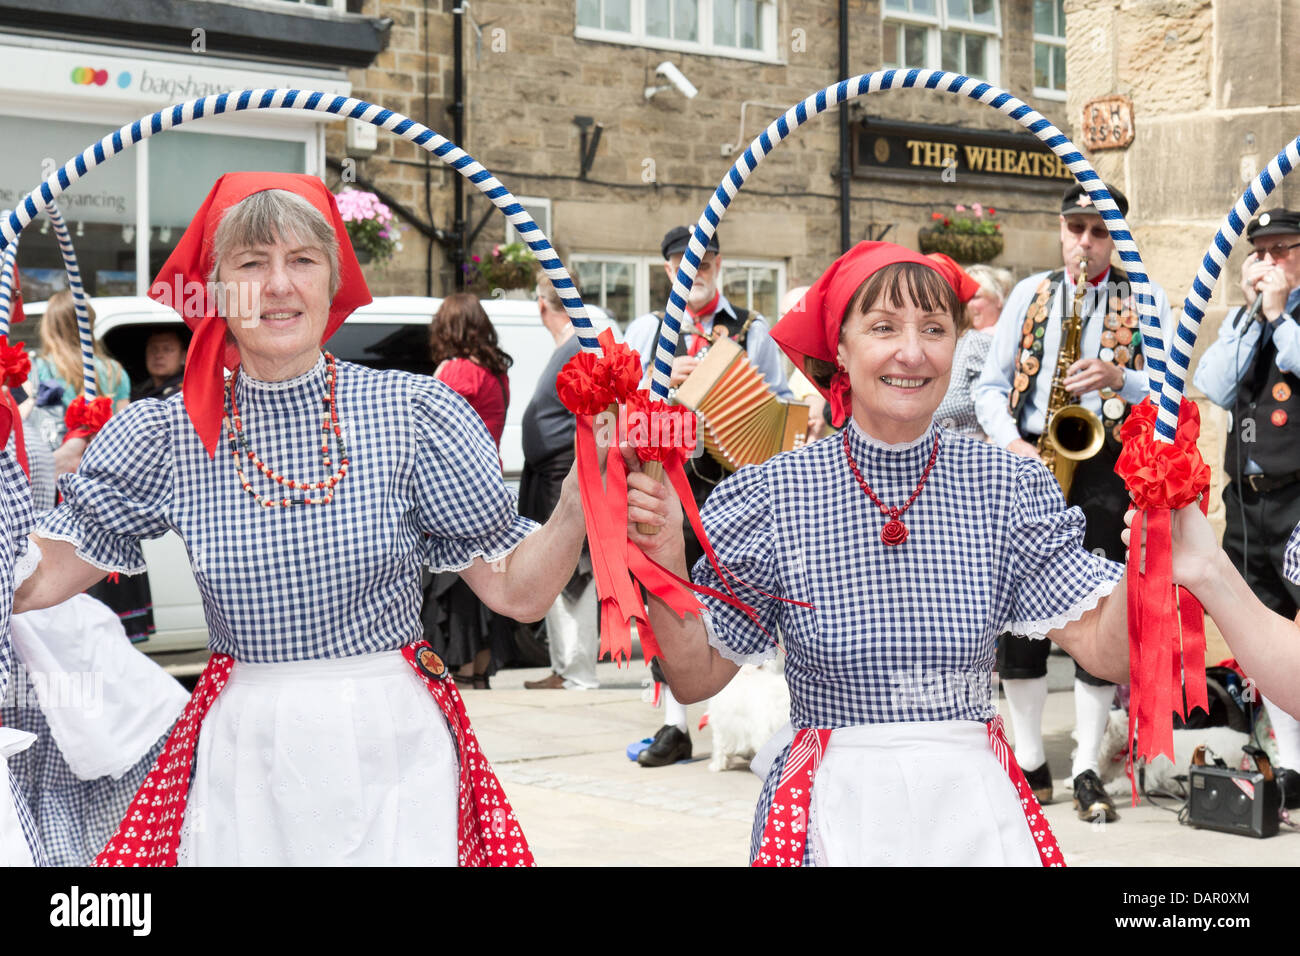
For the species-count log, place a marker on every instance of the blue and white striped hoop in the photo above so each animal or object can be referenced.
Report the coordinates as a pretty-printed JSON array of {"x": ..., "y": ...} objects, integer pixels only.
[
  {"x": 944, "y": 82},
  {"x": 8, "y": 265},
  {"x": 88, "y": 376},
  {"x": 1216, "y": 257},
  {"x": 314, "y": 101}
]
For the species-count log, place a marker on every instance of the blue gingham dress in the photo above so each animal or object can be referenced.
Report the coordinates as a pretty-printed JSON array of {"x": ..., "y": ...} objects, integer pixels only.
[
  {"x": 895, "y": 634},
  {"x": 1291, "y": 563},
  {"x": 15, "y": 523},
  {"x": 308, "y": 581}
]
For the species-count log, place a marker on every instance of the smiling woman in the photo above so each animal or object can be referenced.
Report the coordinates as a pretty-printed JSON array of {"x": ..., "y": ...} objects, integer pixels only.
[
  {"x": 889, "y": 558},
  {"x": 307, "y": 537}
]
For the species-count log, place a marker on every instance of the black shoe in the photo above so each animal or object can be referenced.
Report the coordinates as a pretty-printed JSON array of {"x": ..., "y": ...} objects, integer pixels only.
[
  {"x": 1090, "y": 800},
  {"x": 1040, "y": 781},
  {"x": 1288, "y": 781},
  {"x": 669, "y": 746}
]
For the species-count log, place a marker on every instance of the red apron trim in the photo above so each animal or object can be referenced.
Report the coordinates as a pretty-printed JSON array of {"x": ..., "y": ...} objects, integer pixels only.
[
  {"x": 786, "y": 830},
  {"x": 489, "y": 832}
]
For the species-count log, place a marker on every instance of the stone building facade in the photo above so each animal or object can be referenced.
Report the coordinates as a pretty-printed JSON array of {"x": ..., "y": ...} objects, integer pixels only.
[
  {"x": 533, "y": 72},
  {"x": 1213, "y": 102}
]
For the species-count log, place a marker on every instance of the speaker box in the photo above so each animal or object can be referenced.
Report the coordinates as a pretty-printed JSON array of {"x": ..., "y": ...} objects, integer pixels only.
[{"x": 1235, "y": 801}]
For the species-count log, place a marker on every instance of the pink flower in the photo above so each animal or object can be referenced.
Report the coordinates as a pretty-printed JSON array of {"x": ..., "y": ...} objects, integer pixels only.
[
  {"x": 475, "y": 258},
  {"x": 977, "y": 209},
  {"x": 959, "y": 208}
]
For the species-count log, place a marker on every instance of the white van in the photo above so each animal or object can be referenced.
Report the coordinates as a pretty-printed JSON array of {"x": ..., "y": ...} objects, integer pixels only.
[{"x": 390, "y": 333}]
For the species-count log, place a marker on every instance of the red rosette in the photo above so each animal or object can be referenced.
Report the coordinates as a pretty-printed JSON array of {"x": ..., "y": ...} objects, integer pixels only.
[
  {"x": 659, "y": 431},
  {"x": 1159, "y": 474},
  {"x": 84, "y": 419},
  {"x": 579, "y": 388},
  {"x": 619, "y": 368},
  {"x": 15, "y": 366}
]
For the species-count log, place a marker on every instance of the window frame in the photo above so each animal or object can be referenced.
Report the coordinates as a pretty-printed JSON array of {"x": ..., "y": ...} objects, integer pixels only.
[
  {"x": 748, "y": 263},
  {"x": 769, "y": 19},
  {"x": 1049, "y": 40},
  {"x": 531, "y": 204},
  {"x": 938, "y": 24}
]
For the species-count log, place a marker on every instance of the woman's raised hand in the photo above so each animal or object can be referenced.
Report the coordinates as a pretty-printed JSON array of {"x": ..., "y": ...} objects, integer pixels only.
[
  {"x": 1195, "y": 546},
  {"x": 652, "y": 502}
]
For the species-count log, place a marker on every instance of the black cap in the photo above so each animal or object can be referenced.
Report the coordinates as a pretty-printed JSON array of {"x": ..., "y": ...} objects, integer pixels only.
[
  {"x": 1275, "y": 222},
  {"x": 1077, "y": 201},
  {"x": 678, "y": 237}
]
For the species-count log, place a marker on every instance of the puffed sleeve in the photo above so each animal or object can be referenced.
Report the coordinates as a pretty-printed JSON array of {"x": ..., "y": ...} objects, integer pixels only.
[
  {"x": 1054, "y": 580},
  {"x": 121, "y": 492},
  {"x": 462, "y": 500},
  {"x": 737, "y": 517},
  {"x": 1291, "y": 563}
]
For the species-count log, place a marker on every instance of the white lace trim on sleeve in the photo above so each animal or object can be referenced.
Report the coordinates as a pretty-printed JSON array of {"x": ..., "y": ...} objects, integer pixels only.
[
  {"x": 89, "y": 559},
  {"x": 1040, "y": 629},
  {"x": 735, "y": 657},
  {"x": 489, "y": 557},
  {"x": 26, "y": 564}
]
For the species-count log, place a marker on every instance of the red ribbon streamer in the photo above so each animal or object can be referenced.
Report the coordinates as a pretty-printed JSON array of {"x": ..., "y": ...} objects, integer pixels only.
[{"x": 1166, "y": 623}]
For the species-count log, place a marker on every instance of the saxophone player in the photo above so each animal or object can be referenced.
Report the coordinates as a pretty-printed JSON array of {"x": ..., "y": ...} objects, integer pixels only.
[{"x": 1012, "y": 398}]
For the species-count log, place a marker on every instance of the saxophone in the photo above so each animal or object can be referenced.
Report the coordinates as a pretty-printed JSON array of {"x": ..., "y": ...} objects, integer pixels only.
[{"x": 1071, "y": 433}]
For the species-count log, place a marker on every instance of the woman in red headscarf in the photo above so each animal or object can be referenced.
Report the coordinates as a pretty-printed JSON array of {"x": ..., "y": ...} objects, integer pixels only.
[
  {"x": 887, "y": 558},
  {"x": 310, "y": 738}
]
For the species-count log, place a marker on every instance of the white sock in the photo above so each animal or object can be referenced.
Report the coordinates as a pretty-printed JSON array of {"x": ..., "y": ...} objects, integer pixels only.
[
  {"x": 1287, "y": 731},
  {"x": 674, "y": 713},
  {"x": 1025, "y": 700},
  {"x": 1091, "y": 711}
]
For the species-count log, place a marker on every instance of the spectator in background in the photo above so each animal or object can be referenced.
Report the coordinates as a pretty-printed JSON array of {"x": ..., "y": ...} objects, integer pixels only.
[
  {"x": 57, "y": 363},
  {"x": 463, "y": 348},
  {"x": 572, "y": 630},
  {"x": 164, "y": 357},
  {"x": 957, "y": 410}
]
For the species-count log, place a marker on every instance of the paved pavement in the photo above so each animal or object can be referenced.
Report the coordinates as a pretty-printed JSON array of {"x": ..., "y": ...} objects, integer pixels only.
[{"x": 561, "y": 756}]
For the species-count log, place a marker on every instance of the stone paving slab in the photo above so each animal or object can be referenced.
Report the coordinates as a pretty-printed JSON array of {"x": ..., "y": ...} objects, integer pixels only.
[{"x": 561, "y": 756}]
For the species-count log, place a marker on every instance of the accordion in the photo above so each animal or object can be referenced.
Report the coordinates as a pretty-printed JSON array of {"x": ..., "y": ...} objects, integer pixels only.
[{"x": 743, "y": 422}]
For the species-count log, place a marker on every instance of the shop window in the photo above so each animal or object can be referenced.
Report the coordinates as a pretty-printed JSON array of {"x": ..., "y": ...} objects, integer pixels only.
[
  {"x": 1049, "y": 49},
  {"x": 961, "y": 36},
  {"x": 615, "y": 283},
  {"x": 734, "y": 28}
]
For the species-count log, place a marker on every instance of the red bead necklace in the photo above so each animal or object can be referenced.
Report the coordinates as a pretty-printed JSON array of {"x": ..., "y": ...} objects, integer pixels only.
[
  {"x": 894, "y": 532},
  {"x": 239, "y": 449}
]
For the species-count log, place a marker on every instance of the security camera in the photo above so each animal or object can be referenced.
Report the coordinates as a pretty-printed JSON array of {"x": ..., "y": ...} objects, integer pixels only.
[{"x": 676, "y": 80}]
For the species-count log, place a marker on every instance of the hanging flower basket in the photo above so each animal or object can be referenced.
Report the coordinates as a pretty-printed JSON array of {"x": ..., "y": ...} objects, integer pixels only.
[
  {"x": 964, "y": 247},
  {"x": 968, "y": 233},
  {"x": 508, "y": 267}
]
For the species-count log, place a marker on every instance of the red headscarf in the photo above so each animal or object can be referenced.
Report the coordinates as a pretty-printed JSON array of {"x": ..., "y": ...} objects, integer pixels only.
[
  {"x": 965, "y": 287},
  {"x": 191, "y": 262},
  {"x": 812, "y": 328}
]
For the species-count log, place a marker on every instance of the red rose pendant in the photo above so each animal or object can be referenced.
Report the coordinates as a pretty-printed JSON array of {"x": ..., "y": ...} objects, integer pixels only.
[{"x": 894, "y": 532}]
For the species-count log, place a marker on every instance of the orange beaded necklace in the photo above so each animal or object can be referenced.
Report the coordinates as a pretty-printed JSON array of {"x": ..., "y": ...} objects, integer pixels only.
[{"x": 239, "y": 449}]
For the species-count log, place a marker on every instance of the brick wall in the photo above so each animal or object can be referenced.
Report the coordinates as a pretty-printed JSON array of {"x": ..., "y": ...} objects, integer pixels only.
[{"x": 527, "y": 76}]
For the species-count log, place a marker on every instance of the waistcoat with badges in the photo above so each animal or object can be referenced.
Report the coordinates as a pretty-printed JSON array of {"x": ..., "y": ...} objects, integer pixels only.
[
  {"x": 1267, "y": 395},
  {"x": 1121, "y": 344}
]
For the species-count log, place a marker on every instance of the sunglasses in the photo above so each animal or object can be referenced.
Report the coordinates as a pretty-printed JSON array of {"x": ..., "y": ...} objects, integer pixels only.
[
  {"x": 1280, "y": 251},
  {"x": 1078, "y": 228}
]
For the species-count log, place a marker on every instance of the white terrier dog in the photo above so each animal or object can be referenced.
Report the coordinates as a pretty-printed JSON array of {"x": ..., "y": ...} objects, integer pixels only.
[
  {"x": 1160, "y": 773},
  {"x": 747, "y": 712}
]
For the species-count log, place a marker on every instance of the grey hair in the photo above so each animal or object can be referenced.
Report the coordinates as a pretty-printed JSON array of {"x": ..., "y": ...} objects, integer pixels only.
[
  {"x": 993, "y": 279},
  {"x": 265, "y": 217}
]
